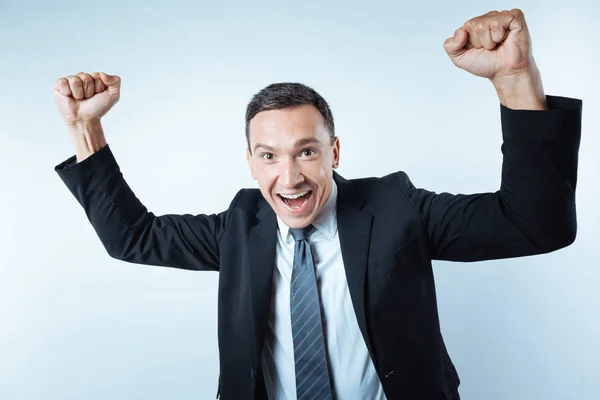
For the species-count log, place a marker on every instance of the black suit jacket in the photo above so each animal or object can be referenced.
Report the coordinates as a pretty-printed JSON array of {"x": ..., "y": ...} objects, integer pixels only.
[{"x": 389, "y": 230}]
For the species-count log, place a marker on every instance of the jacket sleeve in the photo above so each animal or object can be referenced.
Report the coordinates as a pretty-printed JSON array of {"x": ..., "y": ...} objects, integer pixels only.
[
  {"x": 533, "y": 212},
  {"x": 128, "y": 231}
]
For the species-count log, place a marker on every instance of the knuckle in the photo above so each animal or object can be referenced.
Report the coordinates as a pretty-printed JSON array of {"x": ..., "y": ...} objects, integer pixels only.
[
  {"x": 479, "y": 27},
  {"x": 74, "y": 81},
  {"x": 517, "y": 13},
  {"x": 84, "y": 76}
]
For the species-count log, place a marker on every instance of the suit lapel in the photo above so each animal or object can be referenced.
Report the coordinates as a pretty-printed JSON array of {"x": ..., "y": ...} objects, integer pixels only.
[
  {"x": 261, "y": 262},
  {"x": 354, "y": 227}
]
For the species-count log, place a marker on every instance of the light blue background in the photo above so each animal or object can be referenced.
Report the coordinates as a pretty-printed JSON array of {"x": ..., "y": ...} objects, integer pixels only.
[{"x": 77, "y": 324}]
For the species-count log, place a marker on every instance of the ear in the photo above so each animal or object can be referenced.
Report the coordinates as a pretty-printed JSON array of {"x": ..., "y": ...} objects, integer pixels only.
[
  {"x": 250, "y": 163},
  {"x": 336, "y": 153}
]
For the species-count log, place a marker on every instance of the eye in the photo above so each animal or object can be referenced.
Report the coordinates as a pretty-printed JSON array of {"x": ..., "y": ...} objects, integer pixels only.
[
  {"x": 267, "y": 156},
  {"x": 307, "y": 152}
]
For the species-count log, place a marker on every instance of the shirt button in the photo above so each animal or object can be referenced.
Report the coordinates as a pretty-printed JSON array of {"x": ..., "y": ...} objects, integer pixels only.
[{"x": 251, "y": 372}]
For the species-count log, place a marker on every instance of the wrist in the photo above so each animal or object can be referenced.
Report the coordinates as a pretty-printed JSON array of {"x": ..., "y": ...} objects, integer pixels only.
[
  {"x": 88, "y": 137},
  {"x": 522, "y": 91}
]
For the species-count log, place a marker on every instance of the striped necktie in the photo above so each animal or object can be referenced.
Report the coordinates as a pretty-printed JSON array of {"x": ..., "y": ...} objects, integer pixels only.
[{"x": 312, "y": 376}]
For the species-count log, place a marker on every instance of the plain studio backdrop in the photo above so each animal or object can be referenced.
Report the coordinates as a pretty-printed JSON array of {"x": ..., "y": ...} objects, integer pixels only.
[{"x": 76, "y": 324}]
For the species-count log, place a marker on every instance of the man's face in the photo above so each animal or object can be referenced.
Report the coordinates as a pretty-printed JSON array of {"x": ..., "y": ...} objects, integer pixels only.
[{"x": 292, "y": 158}]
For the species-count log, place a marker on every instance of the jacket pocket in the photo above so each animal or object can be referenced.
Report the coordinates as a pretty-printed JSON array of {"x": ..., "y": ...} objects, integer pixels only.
[{"x": 398, "y": 257}]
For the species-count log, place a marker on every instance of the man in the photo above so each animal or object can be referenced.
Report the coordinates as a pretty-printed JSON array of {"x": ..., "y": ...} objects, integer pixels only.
[{"x": 326, "y": 287}]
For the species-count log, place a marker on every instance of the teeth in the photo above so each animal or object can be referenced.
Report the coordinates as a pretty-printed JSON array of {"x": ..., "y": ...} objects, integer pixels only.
[
  {"x": 296, "y": 207},
  {"x": 293, "y": 196}
]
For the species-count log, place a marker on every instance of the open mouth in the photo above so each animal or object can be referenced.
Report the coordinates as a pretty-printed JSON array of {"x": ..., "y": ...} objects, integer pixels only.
[{"x": 296, "y": 201}]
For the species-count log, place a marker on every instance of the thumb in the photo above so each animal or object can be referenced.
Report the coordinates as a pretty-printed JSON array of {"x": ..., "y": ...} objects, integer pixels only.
[
  {"x": 456, "y": 44},
  {"x": 111, "y": 81}
]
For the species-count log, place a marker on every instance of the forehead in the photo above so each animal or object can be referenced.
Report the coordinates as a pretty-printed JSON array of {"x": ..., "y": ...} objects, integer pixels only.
[{"x": 287, "y": 124}]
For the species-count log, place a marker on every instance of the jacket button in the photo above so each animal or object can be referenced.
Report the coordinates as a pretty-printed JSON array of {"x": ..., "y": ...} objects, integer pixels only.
[{"x": 251, "y": 372}]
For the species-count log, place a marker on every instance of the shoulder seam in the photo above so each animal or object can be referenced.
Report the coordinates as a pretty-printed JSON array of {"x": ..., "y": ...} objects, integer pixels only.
[{"x": 407, "y": 198}]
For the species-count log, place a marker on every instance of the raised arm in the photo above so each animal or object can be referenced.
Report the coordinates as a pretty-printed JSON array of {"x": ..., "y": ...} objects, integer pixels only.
[
  {"x": 534, "y": 211},
  {"x": 125, "y": 227}
]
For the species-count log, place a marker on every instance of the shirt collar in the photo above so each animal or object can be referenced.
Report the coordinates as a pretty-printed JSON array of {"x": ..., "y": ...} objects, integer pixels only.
[{"x": 326, "y": 220}]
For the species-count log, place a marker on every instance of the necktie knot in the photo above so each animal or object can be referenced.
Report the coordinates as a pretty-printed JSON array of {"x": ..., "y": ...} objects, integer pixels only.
[{"x": 301, "y": 233}]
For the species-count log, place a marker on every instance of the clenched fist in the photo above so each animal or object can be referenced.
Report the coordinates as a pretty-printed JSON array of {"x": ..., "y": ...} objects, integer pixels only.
[
  {"x": 497, "y": 46},
  {"x": 493, "y": 45},
  {"x": 85, "y": 98}
]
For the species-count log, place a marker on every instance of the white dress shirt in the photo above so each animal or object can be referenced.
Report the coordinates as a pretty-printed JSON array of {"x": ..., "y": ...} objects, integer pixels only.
[{"x": 352, "y": 370}]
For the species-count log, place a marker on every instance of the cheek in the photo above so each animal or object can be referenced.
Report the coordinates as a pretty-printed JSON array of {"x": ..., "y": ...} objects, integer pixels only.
[
  {"x": 319, "y": 174},
  {"x": 314, "y": 171},
  {"x": 325, "y": 168},
  {"x": 266, "y": 175}
]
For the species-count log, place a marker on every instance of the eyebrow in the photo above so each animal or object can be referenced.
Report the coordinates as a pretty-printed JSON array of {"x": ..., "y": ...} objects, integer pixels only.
[
  {"x": 299, "y": 143},
  {"x": 264, "y": 146}
]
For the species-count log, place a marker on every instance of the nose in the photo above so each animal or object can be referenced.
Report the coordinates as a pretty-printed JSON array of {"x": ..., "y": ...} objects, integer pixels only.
[{"x": 290, "y": 175}]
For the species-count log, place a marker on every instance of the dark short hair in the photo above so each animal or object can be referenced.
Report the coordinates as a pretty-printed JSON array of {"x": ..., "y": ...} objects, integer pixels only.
[{"x": 277, "y": 96}]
